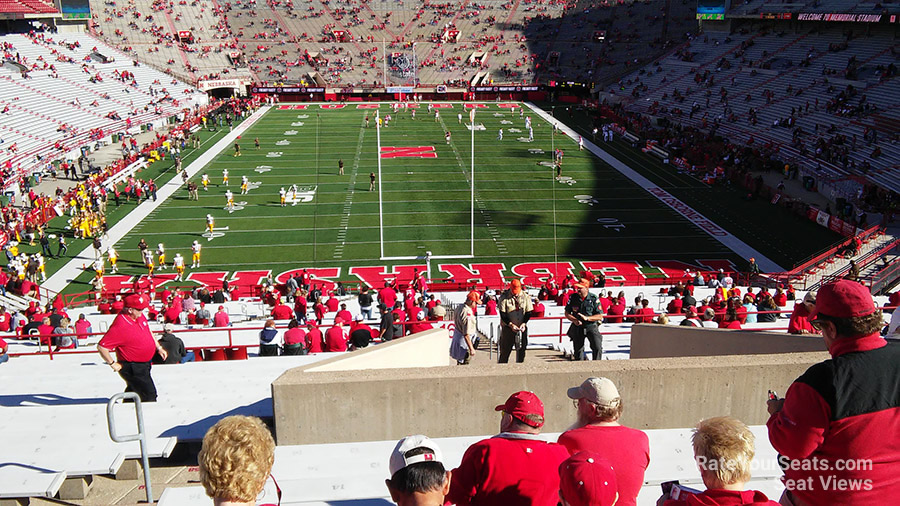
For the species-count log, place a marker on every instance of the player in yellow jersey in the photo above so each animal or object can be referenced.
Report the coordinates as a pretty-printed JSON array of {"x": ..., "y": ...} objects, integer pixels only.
[
  {"x": 161, "y": 256},
  {"x": 113, "y": 259},
  {"x": 195, "y": 258}
]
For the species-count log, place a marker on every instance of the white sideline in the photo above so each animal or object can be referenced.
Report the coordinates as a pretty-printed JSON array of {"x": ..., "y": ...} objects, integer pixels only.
[
  {"x": 729, "y": 240},
  {"x": 65, "y": 275}
]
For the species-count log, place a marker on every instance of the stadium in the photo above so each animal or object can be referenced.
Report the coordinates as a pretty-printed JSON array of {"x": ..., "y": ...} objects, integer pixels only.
[{"x": 297, "y": 208}]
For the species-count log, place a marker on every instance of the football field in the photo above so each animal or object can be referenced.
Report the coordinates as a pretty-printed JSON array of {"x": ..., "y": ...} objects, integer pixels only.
[{"x": 422, "y": 199}]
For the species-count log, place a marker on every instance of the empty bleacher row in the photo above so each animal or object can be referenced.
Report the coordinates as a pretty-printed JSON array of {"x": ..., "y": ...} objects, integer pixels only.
[
  {"x": 60, "y": 92},
  {"x": 821, "y": 97}
]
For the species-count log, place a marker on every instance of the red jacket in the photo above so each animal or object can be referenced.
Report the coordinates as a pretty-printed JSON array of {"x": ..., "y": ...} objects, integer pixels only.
[
  {"x": 510, "y": 469},
  {"x": 844, "y": 413},
  {"x": 800, "y": 321},
  {"x": 719, "y": 497}
]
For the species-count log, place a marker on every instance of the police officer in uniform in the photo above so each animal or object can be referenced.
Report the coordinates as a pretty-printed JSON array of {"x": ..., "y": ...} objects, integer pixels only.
[
  {"x": 584, "y": 311},
  {"x": 515, "y": 309}
]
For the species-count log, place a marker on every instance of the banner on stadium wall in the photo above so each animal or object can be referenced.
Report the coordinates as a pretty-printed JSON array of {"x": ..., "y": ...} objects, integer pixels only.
[
  {"x": 839, "y": 17},
  {"x": 822, "y": 218},
  {"x": 223, "y": 83}
]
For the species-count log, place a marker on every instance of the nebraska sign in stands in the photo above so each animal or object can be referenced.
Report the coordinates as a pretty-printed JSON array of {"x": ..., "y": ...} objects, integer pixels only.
[
  {"x": 483, "y": 274},
  {"x": 223, "y": 83}
]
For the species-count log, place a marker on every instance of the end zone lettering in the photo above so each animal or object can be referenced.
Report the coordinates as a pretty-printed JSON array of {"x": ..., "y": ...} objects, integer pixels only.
[{"x": 408, "y": 152}]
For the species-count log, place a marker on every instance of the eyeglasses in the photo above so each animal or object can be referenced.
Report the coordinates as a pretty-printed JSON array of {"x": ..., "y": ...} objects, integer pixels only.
[{"x": 278, "y": 494}]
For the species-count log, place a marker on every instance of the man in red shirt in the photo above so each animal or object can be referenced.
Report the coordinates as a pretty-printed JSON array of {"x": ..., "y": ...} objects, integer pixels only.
[
  {"x": 515, "y": 467},
  {"x": 129, "y": 336},
  {"x": 387, "y": 295},
  {"x": 799, "y": 323},
  {"x": 335, "y": 338},
  {"x": 314, "y": 338},
  {"x": 221, "y": 318},
  {"x": 344, "y": 314},
  {"x": 282, "y": 311},
  {"x": 628, "y": 450}
]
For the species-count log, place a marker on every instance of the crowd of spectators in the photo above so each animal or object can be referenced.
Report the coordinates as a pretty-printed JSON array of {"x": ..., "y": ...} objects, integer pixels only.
[{"x": 827, "y": 429}]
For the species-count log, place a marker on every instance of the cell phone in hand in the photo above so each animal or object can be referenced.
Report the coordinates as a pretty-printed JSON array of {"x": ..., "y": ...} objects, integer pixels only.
[
  {"x": 667, "y": 487},
  {"x": 773, "y": 396}
]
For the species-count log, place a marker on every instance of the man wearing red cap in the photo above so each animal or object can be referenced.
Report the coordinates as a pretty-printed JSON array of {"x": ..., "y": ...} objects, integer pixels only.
[
  {"x": 837, "y": 427},
  {"x": 584, "y": 312},
  {"x": 586, "y": 479},
  {"x": 515, "y": 309},
  {"x": 129, "y": 336},
  {"x": 515, "y": 467}
]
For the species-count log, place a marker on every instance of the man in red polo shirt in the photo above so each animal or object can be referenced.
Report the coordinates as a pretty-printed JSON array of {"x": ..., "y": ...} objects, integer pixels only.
[
  {"x": 335, "y": 338},
  {"x": 838, "y": 424},
  {"x": 282, "y": 311},
  {"x": 314, "y": 338},
  {"x": 387, "y": 295},
  {"x": 129, "y": 336},
  {"x": 515, "y": 467},
  {"x": 628, "y": 450}
]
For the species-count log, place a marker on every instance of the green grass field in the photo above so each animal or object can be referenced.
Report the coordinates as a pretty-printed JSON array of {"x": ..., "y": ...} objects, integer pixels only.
[{"x": 522, "y": 212}]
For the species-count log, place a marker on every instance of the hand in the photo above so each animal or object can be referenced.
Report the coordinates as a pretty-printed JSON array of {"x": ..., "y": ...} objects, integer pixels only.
[
  {"x": 471, "y": 352},
  {"x": 774, "y": 405},
  {"x": 522, "y": 327},
  {"x": 163, "y": 353},
  {"x": 116, "y": 366}
]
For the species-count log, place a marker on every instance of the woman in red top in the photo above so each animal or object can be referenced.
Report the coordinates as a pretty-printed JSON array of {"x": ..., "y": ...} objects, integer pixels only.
[{"x": 731, "y": 320}]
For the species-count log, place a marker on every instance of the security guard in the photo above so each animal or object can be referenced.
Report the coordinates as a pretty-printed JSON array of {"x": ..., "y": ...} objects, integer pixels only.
[
  {"x": 584, "y": 311},
  {"x": 515, "y": 309}
]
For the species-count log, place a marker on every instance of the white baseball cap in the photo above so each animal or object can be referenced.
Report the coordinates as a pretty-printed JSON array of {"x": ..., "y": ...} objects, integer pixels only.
[
  {"x": 399, "y": 460},
  {"x": 601, "y": 391}
]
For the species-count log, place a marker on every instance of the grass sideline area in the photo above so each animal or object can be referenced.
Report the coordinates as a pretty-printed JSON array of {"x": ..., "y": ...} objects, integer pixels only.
[{"x": 522, "y": 212}]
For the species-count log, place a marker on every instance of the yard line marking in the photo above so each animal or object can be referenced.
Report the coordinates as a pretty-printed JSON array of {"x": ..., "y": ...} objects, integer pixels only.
[
  {"x": 348, "y": 200},
  {"x": 482, "y": 209}
]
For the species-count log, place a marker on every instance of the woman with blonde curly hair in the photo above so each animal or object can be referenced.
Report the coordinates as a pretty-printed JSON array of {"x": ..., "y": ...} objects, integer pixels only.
[{"x": 235, "y": 460}]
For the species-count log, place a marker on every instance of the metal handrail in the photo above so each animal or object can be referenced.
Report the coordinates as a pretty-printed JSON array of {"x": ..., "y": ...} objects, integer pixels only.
[{"x": 140, "y": 436}]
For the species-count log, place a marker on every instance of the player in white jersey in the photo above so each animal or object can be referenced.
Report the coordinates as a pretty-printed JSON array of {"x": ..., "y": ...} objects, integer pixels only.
[
  {"x": 580, "y": 143},
  {"x": 229, "y": 200},
  {"x": 500, "y": 135},
  {"x": 195, "y": 257},
  {"x": 204, "y": 179},
  {"x": 282, "y": 195},
  {"x": 225, "y": 177},
  {"x": 113, "y": 259},
  {"x": 245, "y": 183},
  {"x": 178, "y": 264},
  {"x": 161, "y": 256},
  {"x": 148, "y": 261},
  {"x": 294, "y": 194},
  {"x": 39, "y": 260},
  {"x": 210, "y": 222}
]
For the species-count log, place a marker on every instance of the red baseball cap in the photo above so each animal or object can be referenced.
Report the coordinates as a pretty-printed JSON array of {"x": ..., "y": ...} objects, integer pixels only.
[
  {"x": 137, "y": 301},
  {"x": 587, "y": 479},
  {"x": 844, "y": 299},
  {"x": 520, "y": 405}
]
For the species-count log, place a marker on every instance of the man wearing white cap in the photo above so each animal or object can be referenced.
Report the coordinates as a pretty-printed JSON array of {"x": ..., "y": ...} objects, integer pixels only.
[
  {"x": 417, "y": 471},
  {"x": 598, "y": 430},
  {"x": 173, "y": 345}
]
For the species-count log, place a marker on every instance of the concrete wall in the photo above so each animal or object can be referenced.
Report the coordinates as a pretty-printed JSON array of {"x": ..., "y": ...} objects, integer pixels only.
[
  {"x": 425, "y": 349},
  {"x": 387, "y": 404},
  {"x": 657, "y": 341}
]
